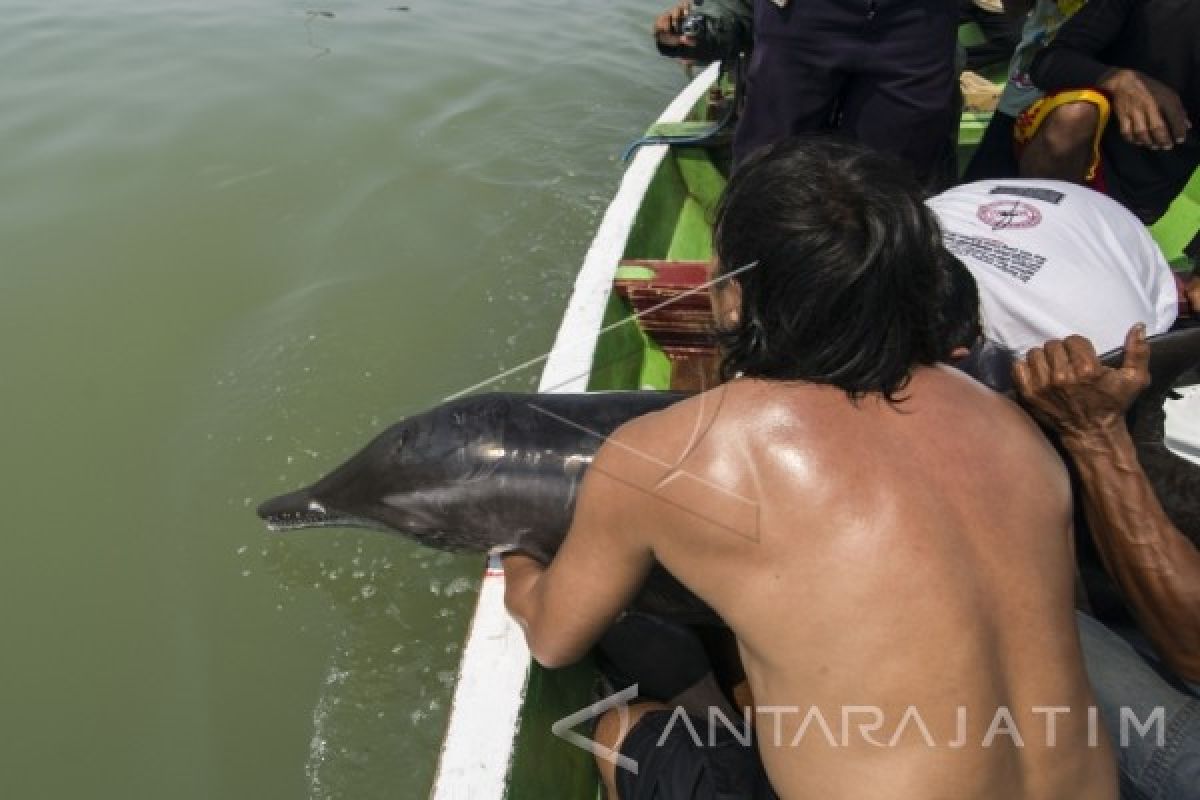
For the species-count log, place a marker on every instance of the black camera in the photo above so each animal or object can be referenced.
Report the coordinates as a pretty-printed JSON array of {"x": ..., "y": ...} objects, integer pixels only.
[{"x": 694, "y": 25}]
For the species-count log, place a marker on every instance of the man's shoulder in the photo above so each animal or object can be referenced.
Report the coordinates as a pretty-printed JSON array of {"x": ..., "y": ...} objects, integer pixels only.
[
  {"x": 688, "y": 467},
  {"x": 964, "y": 401},
  {"x": 992, "y": 420},
  {"x": 648, "y": 443},
  {"x": 715, "y": 421},
  {"x": 642, "y": 449}
]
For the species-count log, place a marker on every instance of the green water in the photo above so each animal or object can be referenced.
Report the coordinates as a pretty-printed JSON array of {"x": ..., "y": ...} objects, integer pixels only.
[{"x": 236, "y": 239}]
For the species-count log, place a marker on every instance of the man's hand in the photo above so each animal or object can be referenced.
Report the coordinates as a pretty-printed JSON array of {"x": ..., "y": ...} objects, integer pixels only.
[
  {"x": 1065, "y": 385},
  {"x": 1149, "y": 112},
  {"x": 1156, "y": 567},
  {"x": 666, "y": 27}
]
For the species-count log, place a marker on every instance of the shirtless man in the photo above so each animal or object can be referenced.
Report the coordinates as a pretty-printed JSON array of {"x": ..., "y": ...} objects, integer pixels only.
[{"x": 880, "y": 533}]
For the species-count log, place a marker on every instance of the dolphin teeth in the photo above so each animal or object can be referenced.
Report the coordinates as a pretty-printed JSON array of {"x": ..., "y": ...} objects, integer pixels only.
[{"x": 293, "y": 522}]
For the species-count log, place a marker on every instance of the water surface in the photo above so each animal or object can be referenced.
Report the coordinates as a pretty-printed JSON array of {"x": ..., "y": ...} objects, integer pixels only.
[{"x": 237, "y": 239}]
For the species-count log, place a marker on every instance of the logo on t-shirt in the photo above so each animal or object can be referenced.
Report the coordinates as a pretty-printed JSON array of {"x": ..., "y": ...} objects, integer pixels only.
[
  {"x": 1032, "y": 192},
  {"x": 1006, "y": 214}
]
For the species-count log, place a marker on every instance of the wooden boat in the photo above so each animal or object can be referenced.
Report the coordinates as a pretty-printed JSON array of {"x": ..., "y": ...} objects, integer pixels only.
[{"x": 638, "y": 319}]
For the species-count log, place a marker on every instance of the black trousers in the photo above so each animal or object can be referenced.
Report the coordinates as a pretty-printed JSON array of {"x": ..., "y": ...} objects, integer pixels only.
[
  {"x": 879, "y": 71},
  {"x": 1001, "y": 35}
]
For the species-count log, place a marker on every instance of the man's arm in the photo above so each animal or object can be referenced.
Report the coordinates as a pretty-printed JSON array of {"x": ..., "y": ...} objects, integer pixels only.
[
  {"x": 1072, "y": 59},
  {"x": 1150, "y": 114},
  {"x": 566, "y": 606},
  {"x": 1156, "y": 566}
]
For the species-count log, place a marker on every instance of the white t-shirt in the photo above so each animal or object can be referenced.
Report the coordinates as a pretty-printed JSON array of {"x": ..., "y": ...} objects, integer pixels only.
[{"x": 1052, "y": 259}]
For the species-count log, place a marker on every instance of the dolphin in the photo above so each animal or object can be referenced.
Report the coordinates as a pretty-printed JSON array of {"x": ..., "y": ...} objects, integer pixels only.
[
  {"x": 490, "y": 471},
  {"x": 473, "y": 474},
  {"x": 502, "y": 470}
]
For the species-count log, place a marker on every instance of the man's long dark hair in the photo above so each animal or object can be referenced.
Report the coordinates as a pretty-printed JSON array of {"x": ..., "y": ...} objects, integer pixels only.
[{"x": 850, "y": 280}]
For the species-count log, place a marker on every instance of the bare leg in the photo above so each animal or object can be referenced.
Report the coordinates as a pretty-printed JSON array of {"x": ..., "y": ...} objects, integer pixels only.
[
  {"x": 611, "y": 733},
  {"x": 1062, "y": 147}
]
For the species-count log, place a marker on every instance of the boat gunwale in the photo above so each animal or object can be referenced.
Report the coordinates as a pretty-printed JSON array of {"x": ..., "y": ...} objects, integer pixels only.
[{"x": 478, "y": 747}]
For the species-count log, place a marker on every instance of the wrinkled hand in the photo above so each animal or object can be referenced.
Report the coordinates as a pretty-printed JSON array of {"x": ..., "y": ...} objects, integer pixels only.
[
  {"x": 1065, "y": 386},
  {"x": 1149, "y": 112},
  {"x": 666, "y": 27}
]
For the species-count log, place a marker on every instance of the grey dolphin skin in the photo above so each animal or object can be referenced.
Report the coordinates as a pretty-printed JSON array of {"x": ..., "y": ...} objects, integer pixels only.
[
  {"x": 491, "y": 470},
  {"x": 502, "y": 470}
]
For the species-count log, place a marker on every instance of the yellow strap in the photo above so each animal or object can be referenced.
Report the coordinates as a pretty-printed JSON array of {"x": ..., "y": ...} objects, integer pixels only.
[{"x": 1029, "y": 122}]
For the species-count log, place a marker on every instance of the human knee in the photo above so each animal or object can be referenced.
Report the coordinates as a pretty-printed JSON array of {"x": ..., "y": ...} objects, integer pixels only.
[
  {"x": 609, "y": 729},
  {"x": 614, "y": 725},
  {"x": 1069, "y": 128}
]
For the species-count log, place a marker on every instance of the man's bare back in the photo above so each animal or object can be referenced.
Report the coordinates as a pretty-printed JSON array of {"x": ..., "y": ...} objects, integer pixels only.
[{"x": 899, "y": 579}]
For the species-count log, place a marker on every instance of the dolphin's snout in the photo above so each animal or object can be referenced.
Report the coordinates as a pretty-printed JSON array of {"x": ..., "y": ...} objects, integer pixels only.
[{"x": 294, "y": 510}]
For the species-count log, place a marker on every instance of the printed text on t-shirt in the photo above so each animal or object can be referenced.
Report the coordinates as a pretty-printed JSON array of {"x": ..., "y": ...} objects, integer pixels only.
[{"x": 1020, "y": 264}]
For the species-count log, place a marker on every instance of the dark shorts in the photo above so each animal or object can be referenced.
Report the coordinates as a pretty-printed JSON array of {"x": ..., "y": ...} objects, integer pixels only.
[{"x": 680, "y": 769}]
